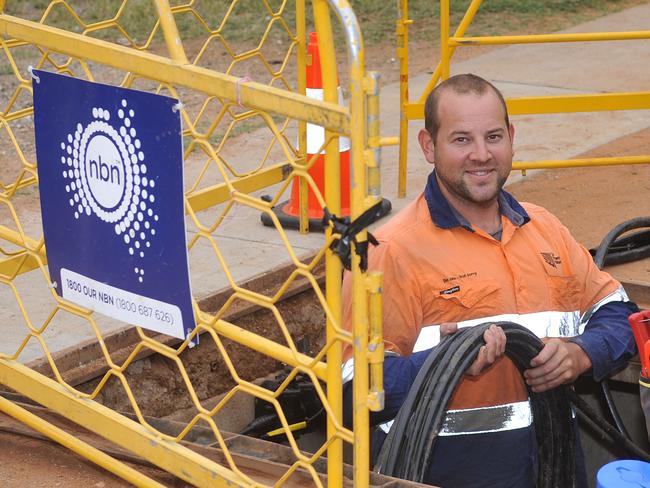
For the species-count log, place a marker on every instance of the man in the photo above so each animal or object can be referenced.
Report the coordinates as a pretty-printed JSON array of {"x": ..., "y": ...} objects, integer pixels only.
[{"x": 466, "y": 252}]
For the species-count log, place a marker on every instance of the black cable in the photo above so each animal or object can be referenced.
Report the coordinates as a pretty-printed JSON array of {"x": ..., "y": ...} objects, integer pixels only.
[
  {"x": 613, "y": 410},
  {"x": 617, "y": 250},
  {"x": 631, "y": 247},
  {"x": 614, "y": 250},
  {"x": 407, "y": 451},
  {"x": 604, "y": 428},
  {"x": 259, "y": 425}
]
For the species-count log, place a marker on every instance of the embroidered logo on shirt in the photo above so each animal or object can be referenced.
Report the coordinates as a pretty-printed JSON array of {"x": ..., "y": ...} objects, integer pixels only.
[
  {"x": 551, "y": 259},
  {"x": 471, "y": 274},
  {"x": 451, "y": 290}
]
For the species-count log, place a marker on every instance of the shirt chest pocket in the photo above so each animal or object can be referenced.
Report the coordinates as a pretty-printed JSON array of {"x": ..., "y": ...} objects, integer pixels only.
[
  {"x": 466, "y": 300},
  {"x": 562, "y": 286},
  {"x": 564, "y": 292}
]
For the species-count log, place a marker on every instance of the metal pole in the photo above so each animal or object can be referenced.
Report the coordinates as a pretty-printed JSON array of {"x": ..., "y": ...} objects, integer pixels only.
[
  {"x": 303, "y": 191},
  {"x": 170, "y": 31},
  {"x": 403, "y": 55},
  {"x": 333, "y": 268}
]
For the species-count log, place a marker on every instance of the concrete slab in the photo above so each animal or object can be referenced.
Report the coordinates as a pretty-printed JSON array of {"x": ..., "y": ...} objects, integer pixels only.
[{"x": 584, "y": 66}]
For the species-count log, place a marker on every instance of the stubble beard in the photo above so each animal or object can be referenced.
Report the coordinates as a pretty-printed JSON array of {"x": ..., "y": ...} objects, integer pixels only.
[{"x": 462, "y": 191}]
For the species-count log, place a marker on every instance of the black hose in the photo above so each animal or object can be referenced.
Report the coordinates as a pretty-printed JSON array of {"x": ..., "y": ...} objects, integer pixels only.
[
  {"x": 628, "y": 248},
  {"x": 613, "y": 410},
  {"x": 588, "y": 415},
  {"x": 618, "y": 250},
  {"x": 407, "y": 451},
  {"x": 260, "y": 424}
]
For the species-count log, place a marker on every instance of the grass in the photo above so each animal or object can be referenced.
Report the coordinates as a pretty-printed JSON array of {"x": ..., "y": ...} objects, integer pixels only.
[
  {"x": 246, "y": 19},
  {"x": 249, "y": 18}
]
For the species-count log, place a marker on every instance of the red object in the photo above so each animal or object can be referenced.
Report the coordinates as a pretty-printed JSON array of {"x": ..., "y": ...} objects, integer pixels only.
[
  {"x": 640, "y": 323},
  {"x": 315, "y": 138},
  {"x": 314, "y": 74},
  {"x": 317, "y": 172}
]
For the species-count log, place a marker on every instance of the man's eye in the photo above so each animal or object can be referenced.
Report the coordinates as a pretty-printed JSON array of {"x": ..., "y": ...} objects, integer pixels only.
[
  {"x": 494, "y": 137},
  {"x": 461, "y": 139}
]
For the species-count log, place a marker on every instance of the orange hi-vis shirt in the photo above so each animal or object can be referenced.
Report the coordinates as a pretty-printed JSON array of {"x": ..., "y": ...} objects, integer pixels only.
[{"x": 536, "y": 275}]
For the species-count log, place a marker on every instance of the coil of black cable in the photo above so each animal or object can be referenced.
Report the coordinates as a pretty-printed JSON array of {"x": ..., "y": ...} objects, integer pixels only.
[
  {"x": 614, "y": 249},
  {"x": 407, "y": 451}
]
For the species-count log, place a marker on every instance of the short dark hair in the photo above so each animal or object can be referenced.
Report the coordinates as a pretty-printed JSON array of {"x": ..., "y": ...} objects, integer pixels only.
[{"x": 460, "y": 84}]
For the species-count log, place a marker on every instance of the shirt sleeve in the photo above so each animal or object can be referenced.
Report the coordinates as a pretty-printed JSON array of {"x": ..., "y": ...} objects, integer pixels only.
[
  {"x": 399, "y": 375},
  {"x": 608, "y": 339}
]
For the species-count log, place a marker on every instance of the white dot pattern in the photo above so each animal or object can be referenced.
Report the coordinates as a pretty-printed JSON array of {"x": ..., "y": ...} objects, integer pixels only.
[{"x": 131, "y": 213}]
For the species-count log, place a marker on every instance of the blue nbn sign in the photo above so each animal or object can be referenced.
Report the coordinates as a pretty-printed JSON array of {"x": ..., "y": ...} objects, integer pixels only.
[{"x": 110, "y": 167}]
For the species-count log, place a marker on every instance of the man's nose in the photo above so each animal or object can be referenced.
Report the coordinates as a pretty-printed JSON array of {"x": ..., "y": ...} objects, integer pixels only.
[{"x": 480, "y": 151}]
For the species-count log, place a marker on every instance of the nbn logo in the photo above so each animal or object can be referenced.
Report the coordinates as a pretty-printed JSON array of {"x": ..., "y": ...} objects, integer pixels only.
[
  {"x": 104, "y": 166},
  {"x": 105, "y": 172}
]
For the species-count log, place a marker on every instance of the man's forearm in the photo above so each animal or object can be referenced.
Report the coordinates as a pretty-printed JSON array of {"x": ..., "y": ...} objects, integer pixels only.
[
  {"x": 399, "y": 374},
  {"x": 608, "y": 339}
]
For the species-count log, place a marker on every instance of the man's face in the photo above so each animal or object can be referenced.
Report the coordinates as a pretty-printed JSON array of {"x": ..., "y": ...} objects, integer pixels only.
[{"x": 473, "y": 151}]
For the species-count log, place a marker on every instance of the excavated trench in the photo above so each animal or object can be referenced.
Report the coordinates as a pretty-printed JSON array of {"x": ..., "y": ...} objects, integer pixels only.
[{"x": 156, "y": 381}]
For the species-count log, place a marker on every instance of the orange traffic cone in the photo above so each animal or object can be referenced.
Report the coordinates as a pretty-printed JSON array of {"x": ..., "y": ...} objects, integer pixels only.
[{"x": 288, "y": 212}]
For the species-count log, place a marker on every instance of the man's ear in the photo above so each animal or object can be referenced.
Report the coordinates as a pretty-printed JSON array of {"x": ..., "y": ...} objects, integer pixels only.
[
  {"x": 426, "y": 143},
  {"x": 511, "y": 131}
]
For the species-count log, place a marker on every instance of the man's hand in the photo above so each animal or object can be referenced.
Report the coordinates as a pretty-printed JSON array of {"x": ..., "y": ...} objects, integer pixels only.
[
  {"x": 495, "y": 346},
  {"x": 558, "y": 363}
]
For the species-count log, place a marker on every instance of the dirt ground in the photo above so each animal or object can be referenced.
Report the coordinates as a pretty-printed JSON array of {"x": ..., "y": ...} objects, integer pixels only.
[{"x": 33, "y": 463}]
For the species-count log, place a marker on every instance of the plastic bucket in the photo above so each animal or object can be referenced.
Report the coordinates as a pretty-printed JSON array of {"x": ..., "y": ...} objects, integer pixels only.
[{"x": 624, "y": 474}]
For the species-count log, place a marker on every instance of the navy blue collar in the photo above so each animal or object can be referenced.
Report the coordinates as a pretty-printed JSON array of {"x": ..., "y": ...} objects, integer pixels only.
[{"x": 446, "y": 217}]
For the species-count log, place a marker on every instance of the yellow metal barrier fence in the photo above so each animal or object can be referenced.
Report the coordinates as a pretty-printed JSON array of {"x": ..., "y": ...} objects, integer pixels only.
[
  {"x": 239, "y": 137},
  {"x": 414, "y": 110}
]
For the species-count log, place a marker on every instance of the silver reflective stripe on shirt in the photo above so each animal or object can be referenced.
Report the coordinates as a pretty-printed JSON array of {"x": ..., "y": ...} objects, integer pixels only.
[
  {"x": 619, "y": 295},
  {"x": 542, "y": 324},
  {"x": 347, "y": 370},
  {"x": 487, "y": 419},
  {"x": 482, "y": 420}
]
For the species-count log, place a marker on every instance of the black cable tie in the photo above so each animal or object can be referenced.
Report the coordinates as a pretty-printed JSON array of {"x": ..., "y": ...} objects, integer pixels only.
[{"x": 348, "y": 231}]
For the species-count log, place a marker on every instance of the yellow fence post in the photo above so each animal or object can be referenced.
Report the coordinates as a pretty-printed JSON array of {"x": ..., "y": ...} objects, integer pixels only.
[
  {"x": 444, "y": 39},
  {"x": 359, "y": 203},
  {"x": 402, "y": 31},
  {"x": 301, "y": 33},
  {"x": 170, "y": 31},
  {"x": 332, "y": 262}
]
